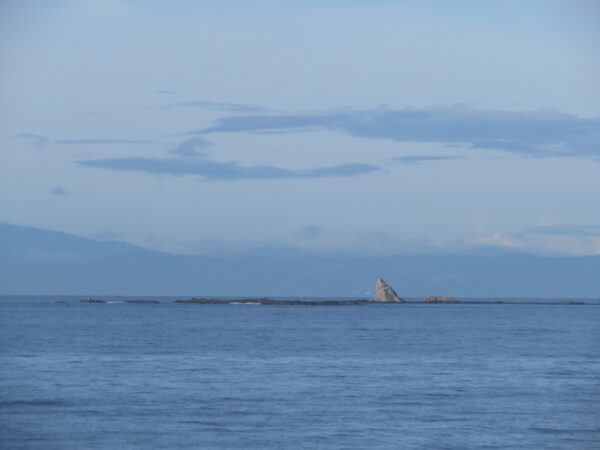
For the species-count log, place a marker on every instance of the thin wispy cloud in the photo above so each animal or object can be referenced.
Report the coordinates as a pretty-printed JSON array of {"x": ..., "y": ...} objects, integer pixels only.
[
  {"x": 217, "y": 106},
  {"x": 543, "y": 133},
  {"x": 100, "y": 141},
  {"x": 564, "y": 230},
  {"x": 211, "y": 170},
  {"x": 557, "y": 239},
  {"x": 38, "y": 140},
  {"x": 414, "y": 159}
]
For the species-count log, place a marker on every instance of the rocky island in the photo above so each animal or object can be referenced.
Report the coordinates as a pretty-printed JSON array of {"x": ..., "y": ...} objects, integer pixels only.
[{"x": 384, "y": 294}]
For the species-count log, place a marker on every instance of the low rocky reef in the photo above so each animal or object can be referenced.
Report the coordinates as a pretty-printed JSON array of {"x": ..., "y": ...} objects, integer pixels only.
[
  {"x": 143, "y": 302},
  {"x": 439, "y": 299},
  {"x": 268, "y": 301},
  {"x": 90, "y": 300},
  {"x": 384, "y": 294},
  {"x": 435, "y": 300},
  {"x": 524, "y": 302}
]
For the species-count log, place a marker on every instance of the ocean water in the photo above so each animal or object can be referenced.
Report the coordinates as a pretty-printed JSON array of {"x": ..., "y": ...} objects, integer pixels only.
[{"x": 167, "y": 376}]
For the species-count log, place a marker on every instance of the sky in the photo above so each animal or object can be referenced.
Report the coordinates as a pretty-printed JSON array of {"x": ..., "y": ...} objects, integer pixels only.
[{"x": 347, "y": 127}]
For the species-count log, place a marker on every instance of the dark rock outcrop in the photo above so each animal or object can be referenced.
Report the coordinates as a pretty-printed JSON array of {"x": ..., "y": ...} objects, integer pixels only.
[
  {"x": 143, "y": 302},
  {"x": 91, "y": 300},
  {"x": 439, "y": 299},
  {"x": 385, "y": 293}
]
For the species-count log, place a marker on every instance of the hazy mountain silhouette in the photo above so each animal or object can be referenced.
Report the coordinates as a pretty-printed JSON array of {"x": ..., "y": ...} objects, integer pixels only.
[{"x": 35, "y": 261}]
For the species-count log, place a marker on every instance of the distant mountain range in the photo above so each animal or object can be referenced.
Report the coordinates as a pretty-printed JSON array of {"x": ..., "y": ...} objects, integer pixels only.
[{"x": 35, "y": 261}]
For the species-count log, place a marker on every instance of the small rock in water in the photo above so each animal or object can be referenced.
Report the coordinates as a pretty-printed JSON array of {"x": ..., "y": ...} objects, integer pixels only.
[
  {"x": 439, "y": 299},
  {"x": 91, "y": 300},
  {"x": 143, "y": 302}
]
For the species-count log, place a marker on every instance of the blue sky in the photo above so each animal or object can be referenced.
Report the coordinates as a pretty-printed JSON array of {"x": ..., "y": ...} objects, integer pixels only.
[{"x": 360, "y": 126}]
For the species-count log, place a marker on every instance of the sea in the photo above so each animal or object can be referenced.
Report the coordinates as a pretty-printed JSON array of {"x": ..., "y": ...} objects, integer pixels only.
[{"x": 410, "y": 376}]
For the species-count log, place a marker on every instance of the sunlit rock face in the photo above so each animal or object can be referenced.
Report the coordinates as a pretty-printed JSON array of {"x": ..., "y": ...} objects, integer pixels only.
[{"x": 385, "y": 293}]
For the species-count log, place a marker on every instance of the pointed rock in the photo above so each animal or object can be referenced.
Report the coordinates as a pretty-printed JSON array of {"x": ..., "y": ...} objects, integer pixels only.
[{"x": 385, "y": 293}]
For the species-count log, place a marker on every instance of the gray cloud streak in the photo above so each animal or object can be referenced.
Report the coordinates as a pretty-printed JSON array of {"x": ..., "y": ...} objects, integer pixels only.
[
  {"x": 223, "y": 171},
  {"x": 412, "y": 160},
  {"x": 564, "y": 230},
  {"x": 98, "y": 142},
  {"x": 218, "y": 106},
  {"x": 191, "y": 146},
  {"x": 541, "y": 133},
  {"x": 38, "y": 140}
]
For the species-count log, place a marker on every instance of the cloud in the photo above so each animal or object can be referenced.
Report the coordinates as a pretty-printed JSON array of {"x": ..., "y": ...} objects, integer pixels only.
[
  {"x": 357, "y": 241},
  {"x": 218, "y": 106},
  {"x": 38, "y": 140},
  {"x": 59, "y": 191},
  {"x": 191, "y": 146},
  {"x": 223, "y": 171},
  {"x": 99, "y": 142},
  {"x": 499, "y": 240},
  {"x": 564, "y": 230},
  {"x": 562, "y": 239},
  {"x": 412, "y": 160},
  {"x": 541, "y": 133}
]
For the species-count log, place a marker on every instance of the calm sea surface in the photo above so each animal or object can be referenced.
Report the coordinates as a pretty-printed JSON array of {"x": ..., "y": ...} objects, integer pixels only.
[{"x": 120, "y": 376}]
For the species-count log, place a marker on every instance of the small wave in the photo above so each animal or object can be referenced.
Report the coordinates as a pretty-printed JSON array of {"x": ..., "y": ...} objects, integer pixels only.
[{"x": 244, "y": 303}]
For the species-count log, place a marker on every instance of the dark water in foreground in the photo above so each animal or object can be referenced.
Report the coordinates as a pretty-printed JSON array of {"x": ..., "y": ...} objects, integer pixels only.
[{"x": 121, "y": 376}]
